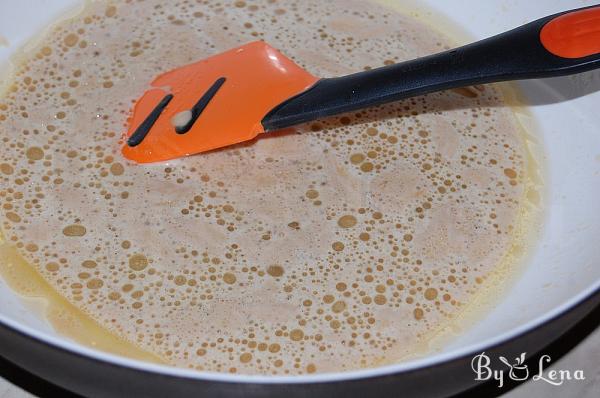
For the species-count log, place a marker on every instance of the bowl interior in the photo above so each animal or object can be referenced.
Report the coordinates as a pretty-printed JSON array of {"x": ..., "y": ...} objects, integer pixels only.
[{"x": 561, "y": 269}]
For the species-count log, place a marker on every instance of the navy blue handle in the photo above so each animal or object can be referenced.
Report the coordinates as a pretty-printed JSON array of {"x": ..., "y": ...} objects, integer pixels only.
[{"x": 515, "y": 55}]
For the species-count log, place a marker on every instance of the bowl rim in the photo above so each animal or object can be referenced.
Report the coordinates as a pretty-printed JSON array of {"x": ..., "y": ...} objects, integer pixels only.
[{"x": 74, "y": 348}]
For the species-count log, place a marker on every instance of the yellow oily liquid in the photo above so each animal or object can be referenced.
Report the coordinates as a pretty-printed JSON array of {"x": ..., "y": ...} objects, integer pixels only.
[{"x": 65, "y": 318}]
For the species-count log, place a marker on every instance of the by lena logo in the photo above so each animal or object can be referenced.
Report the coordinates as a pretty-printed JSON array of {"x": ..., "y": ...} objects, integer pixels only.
[{"x": 518, "y": 370}]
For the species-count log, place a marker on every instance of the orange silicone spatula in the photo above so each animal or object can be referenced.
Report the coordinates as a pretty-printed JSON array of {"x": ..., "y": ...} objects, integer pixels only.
[{"x": 235, "y": 96}]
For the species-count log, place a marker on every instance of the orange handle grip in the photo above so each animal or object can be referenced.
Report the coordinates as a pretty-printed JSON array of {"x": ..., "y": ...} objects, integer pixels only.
[{"x": 573, "y": 35}]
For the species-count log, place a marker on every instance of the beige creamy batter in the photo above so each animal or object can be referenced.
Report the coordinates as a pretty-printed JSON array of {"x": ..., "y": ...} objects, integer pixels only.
[{"x": 334, "y": 246}]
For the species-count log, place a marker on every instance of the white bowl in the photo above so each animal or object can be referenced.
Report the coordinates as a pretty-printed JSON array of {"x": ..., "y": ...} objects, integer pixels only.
[{"x": 563, "y": 269}]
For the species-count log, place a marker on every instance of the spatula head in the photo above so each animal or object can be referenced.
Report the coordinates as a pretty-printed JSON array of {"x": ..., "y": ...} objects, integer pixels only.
[{"x": 213, "y": 103}]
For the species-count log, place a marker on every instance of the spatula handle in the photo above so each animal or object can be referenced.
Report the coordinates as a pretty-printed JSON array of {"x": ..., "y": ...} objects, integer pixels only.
[{"x": 561, "y": 44}]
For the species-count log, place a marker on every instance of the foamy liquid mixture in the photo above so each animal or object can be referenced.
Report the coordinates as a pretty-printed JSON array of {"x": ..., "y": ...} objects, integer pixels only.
[{"x": 339, "y": 245}]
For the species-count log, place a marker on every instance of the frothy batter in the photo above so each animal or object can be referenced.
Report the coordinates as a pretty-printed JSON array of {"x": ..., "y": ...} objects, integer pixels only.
[{"x": 338, "y": 245}]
